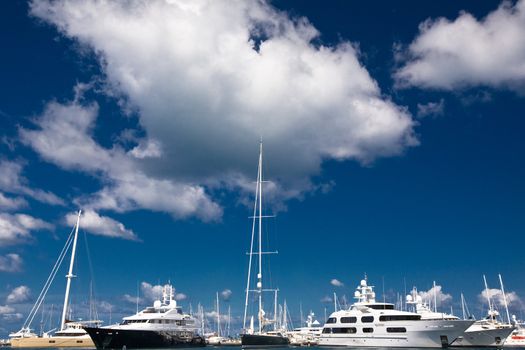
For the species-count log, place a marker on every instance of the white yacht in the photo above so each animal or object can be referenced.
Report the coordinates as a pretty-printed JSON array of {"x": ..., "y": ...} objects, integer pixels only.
[
  {"x": 368, "y": 323},
  {"x": 517, "y": 338},
  {"x": 162, "y": 325},
  {"x": 306, "y": 336},
  {"x": 483, "y": 333}
]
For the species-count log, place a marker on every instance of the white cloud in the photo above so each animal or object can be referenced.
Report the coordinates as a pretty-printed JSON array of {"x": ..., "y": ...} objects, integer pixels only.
[
  {"x": 132, "y": 299},
  {"x": 180, "y": 296},
  {"x": 5, "y": 309},
  {"x": 326, "y": 299},
  {"x": 441, "y": 297},
  {"x": 336, "y": 283},
  {"x": 12, "y": 181},
  {"x": 101, "y": 225},
  {"x": 255, "y": 72},
  {"x": 151, "y": 292},
  {"x": 16, "y": 228},
  {"x": 19, "y": 295},
  {"x": 496, "y": 295},
  {"x": 64, "y": 138},
  {"x": 430, "y": 109},
  {"x": 469, "y": 52},
  {"x": 11, "y": 263},
  {"x": 11, "y": 203},
  {"x": 213, "y": 315},
  {"x": 226, "y": 294}
]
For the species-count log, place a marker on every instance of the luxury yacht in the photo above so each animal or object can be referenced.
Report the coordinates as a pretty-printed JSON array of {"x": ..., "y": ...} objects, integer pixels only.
[
  {"x": 368, "y": 323},
  {"x": 483, "y": 333},
  {"x": 162, "y": 325},
  {"x": 517, "y": 338}
]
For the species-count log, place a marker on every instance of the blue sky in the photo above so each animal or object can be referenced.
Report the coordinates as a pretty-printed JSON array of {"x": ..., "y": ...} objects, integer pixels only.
[{"x": 393, "y": 139}]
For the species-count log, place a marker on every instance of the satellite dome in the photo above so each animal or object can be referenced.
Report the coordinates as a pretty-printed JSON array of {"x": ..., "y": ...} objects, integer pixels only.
[
  {"x": 419, "y": 299},
  {"x": 409, "y": 298},
  {"x": 363, "y": 283},
  {"x": 157, "y": 304},
  {"x": 357, "y": 294}
]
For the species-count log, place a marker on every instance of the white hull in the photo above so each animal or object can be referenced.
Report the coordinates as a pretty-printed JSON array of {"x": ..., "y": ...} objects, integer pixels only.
[
  {"x": 484, "y": 337},
  {"x": 83, "y": 341},
  {"x": 419, "y": 334}
]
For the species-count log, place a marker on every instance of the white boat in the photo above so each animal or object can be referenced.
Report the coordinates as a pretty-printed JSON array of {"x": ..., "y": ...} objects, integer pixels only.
[
  {"x": 368, "y": 323},
  {"x": 483, "y": 333},
  {"x": 517, "y": 338},
  {"x": 306, "y": 336},
  {"x": 70, "y": 334},
  {"x": 267, "y": 333},
  {"x": 162, "y": 325},
  {"x": 216, "y": 338}
]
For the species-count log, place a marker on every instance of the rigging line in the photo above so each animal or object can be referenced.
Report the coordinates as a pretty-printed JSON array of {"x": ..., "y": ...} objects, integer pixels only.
[
  {"x": 92, "y": 301},
  {"x": 251, "y": 252},
  {"x": 49, "y": 280}
]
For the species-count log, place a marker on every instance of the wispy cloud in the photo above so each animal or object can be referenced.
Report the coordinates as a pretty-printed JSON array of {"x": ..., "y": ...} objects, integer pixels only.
[
  {"x": 437, "y": 291},
  {"x": 11, "y": 203},
  {"x": 101, "y": 225},
  {"x": 17, "y": 228},
  {"x": 433, "y": 109},
  {"x": 11, "y": 263},
  {"x": 226, "y": 294},
  {"x": 336, "y": 283},
  {"x": 19, "y": 295}
]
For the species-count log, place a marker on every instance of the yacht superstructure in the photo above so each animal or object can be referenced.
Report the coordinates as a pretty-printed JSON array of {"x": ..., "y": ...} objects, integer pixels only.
[
  {"x": 162, "y": 325},
  {"x": 308, "y": 335},
  {"x": 368, "y": 323}
]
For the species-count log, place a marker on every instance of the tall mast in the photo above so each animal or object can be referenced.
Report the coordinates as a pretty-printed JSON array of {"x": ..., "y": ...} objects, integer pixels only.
[
  {"x": 70, "y": 275},
  {"x": 504, "y": 298},
  {"x": 463, "y": 306},
  {"x": 275, "y": 309},
  {"x": 488, "y": 299},
  {"x": 435, "y": 297},
  {"x": 229, "y": 320},
  {"x": 218, "y": 317},
  {"x": 251, "y": 253},
  {"x": 259, "y": 275}
]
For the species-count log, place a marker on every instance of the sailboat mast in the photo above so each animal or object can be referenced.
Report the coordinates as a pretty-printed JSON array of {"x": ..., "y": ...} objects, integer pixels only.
[
  {"x": 504, "y": 298},
  {"x": 488, "y": 298},
  {"x": 70, "y": 275},
  {"x": 259, "y": 276},
  {"x": 218, "y": 317},
  {"x": 463, "y": 306}
]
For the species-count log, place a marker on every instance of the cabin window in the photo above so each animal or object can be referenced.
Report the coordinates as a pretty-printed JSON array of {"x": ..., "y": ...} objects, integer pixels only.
[
  {"x": 381, "y": 306},
  {"x": 347, "y": 330},
  {"x": 399, "y": 318},
  {"x": 368, "y": 330},
  {"x": 348, "y": 319},
  {"x": 331, "y": 320},
  {"x": 327, "y": 330},
  {"x": 396, "y": 330},
  {"x": 367, "y": 319},
  {"x": 51, "y": 341},
  {"x": 79, "y": 341}
]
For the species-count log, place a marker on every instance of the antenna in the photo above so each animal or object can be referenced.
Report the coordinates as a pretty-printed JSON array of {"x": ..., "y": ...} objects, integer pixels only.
[
  {"x": 488, "y": 299},
  {"x": 435, "y": 296}
]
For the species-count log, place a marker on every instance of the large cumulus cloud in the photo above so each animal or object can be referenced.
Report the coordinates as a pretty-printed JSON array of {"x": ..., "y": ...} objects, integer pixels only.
[{"x": 209, "y": 78}]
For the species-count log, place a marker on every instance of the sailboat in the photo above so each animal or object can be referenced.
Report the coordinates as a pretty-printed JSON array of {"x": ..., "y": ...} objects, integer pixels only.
[
  {"x": 217, "y": 339},
  {"x": 70, "y": 334},
  {"x": 263, "y": 336}
]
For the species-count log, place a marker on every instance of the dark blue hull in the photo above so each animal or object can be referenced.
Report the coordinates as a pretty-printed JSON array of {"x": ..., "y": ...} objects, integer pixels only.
[
  {"x": 107, "y": 338},
  {"x": 263, "y": 341}
]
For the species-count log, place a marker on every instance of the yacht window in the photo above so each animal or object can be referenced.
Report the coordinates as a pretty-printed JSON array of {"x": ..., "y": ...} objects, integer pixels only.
[
  {"x": 327, "y": 330},
  {"x": 399, "y": 318},
  {"x": 351, "y": 330},
  {"x": 381, "y": 306},
  {"x": 331, "y": 320},
  {"x": 348, "y": 319},
  {"x": 367, "y": 319},
  {"x": 396, "y": 330},
  {"x": 368, "y": 330}
]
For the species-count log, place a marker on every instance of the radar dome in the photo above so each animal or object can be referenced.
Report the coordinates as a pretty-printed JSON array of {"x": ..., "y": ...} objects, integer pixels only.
[
  {"x": 363, "y": 283},
  {"x": 357, "y": 294},
  {"x": 409, "y": 298},
  {"x": 157, "y": 304},
  {"x": 419, "y": 299}
]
